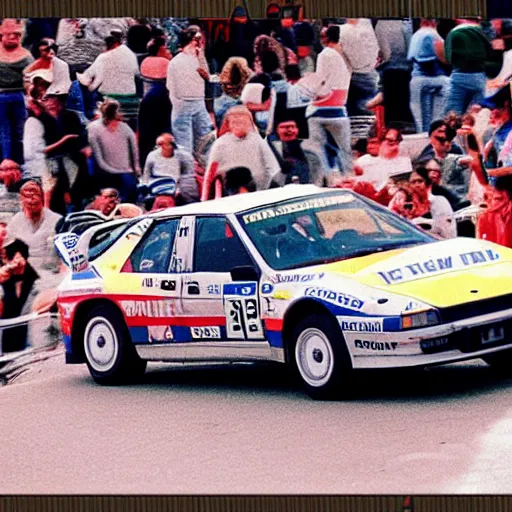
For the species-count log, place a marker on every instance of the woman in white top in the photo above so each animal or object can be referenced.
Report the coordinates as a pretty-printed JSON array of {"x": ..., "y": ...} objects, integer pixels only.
[{"x": 51, "y": 68}]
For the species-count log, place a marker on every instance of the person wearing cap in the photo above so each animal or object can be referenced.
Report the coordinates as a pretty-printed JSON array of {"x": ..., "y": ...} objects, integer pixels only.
[
  {"x": 500, "y": 105},
  {"x": 186, "y": 76},
  {"x": 13, "y": 60},
  {"x": 34, "y": 224},
  {"x": 429, "y": 84},
  {"x": 355, "y": 35},
  {"x": 467, "y": 50},
  {"x": 328, "y": 114},
  {"x": 49, "y": 67}
]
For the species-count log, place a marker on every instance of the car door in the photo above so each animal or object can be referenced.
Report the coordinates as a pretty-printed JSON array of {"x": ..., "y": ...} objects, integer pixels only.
[
  {"x": 151, "y": 290},
  {"x": 224, "y": 305}
]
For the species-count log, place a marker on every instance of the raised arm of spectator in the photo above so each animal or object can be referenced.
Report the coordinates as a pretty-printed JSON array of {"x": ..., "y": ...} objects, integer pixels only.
[
  {"x": 209, "y": 177},
  {"x": 92, "y": 76},
  {"x": 476, "y": 164},
  {"x": 57, "y": 145}
]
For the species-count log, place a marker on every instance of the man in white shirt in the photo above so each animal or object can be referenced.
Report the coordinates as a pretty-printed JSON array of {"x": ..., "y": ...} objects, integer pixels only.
[
  {"x": 360, "y": 46},
  {"x": 328, "y": 113},
  {"x": 35, "y": 225},
  {"x": 186, "y": 76},
  {"x": 114, "y": 71}
]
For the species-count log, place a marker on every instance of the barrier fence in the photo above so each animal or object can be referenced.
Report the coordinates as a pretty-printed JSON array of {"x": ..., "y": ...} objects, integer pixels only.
[{"x": 43, "y": 337}]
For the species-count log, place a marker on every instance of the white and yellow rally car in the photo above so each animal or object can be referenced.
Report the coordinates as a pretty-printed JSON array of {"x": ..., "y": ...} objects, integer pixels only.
[{"x": 321, "y": 279}]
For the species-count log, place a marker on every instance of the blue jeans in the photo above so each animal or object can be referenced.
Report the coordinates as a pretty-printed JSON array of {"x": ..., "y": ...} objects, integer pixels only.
[
  {"x": 465, "y": 89},
  {"x": 190, "y": 123},
  {"x": 339, "y": 129},
  {"x": 12, "y": 120},
  {"x": 429, "y": 95}
]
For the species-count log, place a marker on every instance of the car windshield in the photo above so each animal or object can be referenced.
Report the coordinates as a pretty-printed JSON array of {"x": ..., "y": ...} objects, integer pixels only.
[{"x": 324, "y": 228}]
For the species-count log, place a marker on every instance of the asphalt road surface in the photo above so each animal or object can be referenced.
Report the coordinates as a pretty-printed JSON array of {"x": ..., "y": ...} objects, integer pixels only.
[{"x": 245, "y": 430}]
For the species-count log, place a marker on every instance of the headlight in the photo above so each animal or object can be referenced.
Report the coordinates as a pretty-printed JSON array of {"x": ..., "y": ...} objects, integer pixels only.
[{"x": 420, "y": 319}]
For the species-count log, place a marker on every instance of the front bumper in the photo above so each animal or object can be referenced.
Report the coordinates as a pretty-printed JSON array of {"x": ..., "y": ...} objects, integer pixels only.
[{"x": 456, "y": 341}]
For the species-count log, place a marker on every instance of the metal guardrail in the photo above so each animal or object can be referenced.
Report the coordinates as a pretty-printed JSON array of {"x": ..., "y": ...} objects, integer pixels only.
[{"x": 18, "y": 322}]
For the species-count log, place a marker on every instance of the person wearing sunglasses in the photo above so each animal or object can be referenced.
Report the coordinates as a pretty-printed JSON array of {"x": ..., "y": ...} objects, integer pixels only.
[
  {"x": 13, "y": 60},
  {"x": 438, "y": 128},
  {"x": 55, "y": 70}
]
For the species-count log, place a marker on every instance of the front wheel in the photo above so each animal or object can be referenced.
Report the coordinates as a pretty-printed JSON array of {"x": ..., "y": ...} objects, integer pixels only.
[
  {"x": 109, "y": 351},
  {"x": 322, "y": 359}
]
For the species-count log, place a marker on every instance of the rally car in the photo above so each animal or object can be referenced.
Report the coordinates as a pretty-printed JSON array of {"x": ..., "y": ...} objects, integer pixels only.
[{"x": 320, "y": 279}]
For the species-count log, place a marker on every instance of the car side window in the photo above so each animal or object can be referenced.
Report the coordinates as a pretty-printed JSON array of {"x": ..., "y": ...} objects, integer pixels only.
[
  {"x": 153, "y": 253},
  {"x": 217, "y": 246}
]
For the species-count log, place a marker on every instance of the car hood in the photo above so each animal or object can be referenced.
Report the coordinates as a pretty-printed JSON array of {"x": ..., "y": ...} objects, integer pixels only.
[{"x": 441, "y": 274}]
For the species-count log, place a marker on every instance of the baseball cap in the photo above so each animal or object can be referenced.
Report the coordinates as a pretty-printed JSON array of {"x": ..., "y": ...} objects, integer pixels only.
[{"x": 498, "y": 98}]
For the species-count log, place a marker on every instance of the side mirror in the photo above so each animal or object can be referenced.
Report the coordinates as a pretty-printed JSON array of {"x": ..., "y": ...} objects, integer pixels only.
[{"x": 244, "y": 273}]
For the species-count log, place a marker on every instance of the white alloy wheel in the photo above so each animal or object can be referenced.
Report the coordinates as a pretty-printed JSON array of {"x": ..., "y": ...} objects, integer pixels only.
[
  {"x": 314, "y": 357},
  {"x": 101, "y": 344}
]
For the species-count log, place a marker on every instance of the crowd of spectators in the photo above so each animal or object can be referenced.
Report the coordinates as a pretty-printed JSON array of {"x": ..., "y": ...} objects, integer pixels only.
[{"x": 415, "y": 114}]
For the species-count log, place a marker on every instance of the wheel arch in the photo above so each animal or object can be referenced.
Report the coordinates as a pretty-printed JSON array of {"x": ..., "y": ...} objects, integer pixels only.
[
  {"x": 79, "y": 324},
  {"x": 298, "y": 310}
]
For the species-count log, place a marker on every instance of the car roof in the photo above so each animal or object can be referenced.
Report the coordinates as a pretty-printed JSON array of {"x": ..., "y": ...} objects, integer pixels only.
[{"x": 243, "y": 202}]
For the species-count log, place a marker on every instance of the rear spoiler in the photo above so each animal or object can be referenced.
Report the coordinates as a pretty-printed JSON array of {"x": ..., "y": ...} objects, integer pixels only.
[{"x": 73, "y": 249}]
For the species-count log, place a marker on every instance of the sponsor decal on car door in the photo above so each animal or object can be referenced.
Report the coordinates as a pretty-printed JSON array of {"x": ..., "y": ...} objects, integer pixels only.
[{"x": 243, "y": 318}]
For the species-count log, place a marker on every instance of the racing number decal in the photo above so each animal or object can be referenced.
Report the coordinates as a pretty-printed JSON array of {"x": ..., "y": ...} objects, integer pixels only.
[{"x": 242, "y": 312}]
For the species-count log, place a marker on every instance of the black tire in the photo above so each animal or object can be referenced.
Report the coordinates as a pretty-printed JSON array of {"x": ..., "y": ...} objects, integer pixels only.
[
  {"x": 500, "y": 361},
  {"x": 321, "y": 358},
  {"x": 116, "y": 360}
]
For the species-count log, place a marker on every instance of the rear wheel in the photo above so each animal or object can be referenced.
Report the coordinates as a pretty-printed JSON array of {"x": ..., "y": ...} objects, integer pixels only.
[
  {"x": 322, "y": 359},
  {"x": 109, "y": 351}
]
